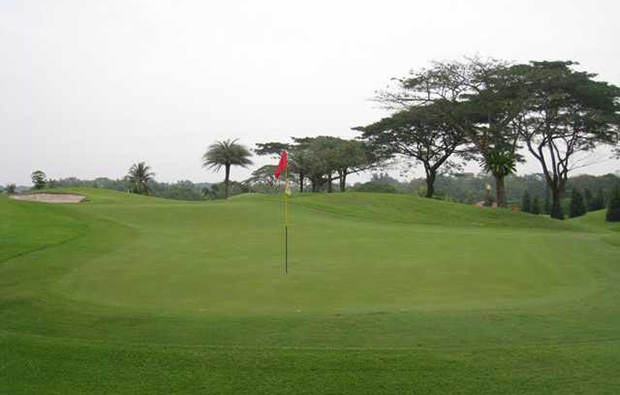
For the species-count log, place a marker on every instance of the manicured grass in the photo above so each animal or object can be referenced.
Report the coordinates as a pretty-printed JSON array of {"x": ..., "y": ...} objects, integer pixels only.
[
  {"x": 387, "y": 294},
  {"x": 25, "y": 227}
]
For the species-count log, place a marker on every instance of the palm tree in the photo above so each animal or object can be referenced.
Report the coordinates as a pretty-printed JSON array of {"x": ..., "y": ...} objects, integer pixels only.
[
  {"x": 139, "y": 175},
  {"x": 226, "y": 153},
  {"x": 500, "y": 164}
]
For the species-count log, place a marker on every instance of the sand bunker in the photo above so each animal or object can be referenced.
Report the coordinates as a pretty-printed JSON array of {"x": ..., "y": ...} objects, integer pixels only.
[{"x": 50, "y": 198}]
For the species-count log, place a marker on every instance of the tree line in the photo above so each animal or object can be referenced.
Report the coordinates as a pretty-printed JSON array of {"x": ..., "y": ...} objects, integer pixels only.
[
  {"x": 482, "y": 110},
  {"x": 470, "y": 188},
  {"x": 485, "y": 110}
]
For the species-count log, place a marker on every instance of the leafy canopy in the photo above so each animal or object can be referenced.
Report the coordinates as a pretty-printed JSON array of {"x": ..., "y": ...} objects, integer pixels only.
[
  {"x": 139, "y": 176},
  {"x": 225, "y": 154}
]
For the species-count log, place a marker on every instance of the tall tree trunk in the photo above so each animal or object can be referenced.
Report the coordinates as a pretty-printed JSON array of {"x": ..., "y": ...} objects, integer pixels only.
[
  {"x": 431, "y": 174},
  {"x": 226, "y": 180},
  {"x": 556, "y": 202},
  {"x": 313, "y": 184},
  {"x": 430, "y": 183},
  {"x": 329, "y": 183},
  {"x": 343, "y": 182},
  {"x": 556, "y": 186},
  {"x": 500, "y": 191},
  {"x": 301, "y": 183}
]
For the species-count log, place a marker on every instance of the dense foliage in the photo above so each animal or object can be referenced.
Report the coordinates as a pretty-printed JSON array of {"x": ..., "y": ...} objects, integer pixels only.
[
  {"x": 566, "y": 112},
  {"x": 578, "y": 205},
  {"x": 39, "y": 179},
  {"x": 536, "y": 208},
  {"x": 597, "y": 202},
  {"x": 323, "y": 160},
  {"x": 526, "y": 203},
  {"x": 182, "y": 190},
  {"x": 470, "y": 188},
  {"x": 10, "y": 188},
  {"x": 613, "y": 209},
  {"x": 420, "y": 133},
  {"x": 377, "y": 187}
]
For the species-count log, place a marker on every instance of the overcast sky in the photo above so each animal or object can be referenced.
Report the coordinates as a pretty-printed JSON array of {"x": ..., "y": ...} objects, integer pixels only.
[{"x": 89, "y": 87}]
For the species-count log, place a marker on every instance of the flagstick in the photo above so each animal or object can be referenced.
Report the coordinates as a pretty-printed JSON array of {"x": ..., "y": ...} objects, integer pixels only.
[{"x": 285, "y": 221}]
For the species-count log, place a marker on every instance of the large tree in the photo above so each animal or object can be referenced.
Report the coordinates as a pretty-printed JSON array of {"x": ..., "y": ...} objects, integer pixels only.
[
  {"x": 298, "y": 158},
  {"x": 263, "y": 179},
  {"x": 300, "y": 162},
  {"x": 322, "y": 155},
  {"x": 226, "y": 154},
  {"x": 333, "y": 158},
  {"x": 139, "y": 176},
  {"x": 353, "y": 156},
  {"x": 322, "y": 159},
  {"x": 480, "y": 97},
  {"x": 420, "y": 132},
  {"x": 39, "y": 179},
  {"x": 567, "y": 113}
]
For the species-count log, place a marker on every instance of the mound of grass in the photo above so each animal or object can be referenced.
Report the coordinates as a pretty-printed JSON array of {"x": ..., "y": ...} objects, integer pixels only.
[{"x": 415, "y": 210}]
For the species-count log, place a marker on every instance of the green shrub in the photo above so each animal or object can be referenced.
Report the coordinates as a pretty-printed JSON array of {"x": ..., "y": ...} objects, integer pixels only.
[
  {"x": 547, "y": 202},
  {"x": 598, "y": 202},
  {"x": 526, "y": 203},
  {"x": 536, "y": 209},
  {"x": 577, "y": 204},
  {"x": 371, "y": 186},
  {"x": 589, "y": 197},
  {"x": 613, "y": 208}
]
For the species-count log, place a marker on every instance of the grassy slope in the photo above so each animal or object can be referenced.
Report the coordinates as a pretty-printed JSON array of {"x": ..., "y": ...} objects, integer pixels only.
[
  {"x": 164, "y": 296},
  {"x": 25, "y": 227}
]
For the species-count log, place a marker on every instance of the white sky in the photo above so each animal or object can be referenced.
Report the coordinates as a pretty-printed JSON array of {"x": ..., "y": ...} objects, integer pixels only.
[{"x": 89, "y": 87}]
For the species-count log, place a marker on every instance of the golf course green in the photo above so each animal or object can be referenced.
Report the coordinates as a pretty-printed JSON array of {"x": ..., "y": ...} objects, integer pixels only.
[{"x": 386, "y": 294}]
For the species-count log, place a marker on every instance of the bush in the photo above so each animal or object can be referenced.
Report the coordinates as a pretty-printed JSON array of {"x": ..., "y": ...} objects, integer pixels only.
[
  {"x": 577, "y": 204},
  {"x": 217, "y": 191},
  {"x": 372, "y": 186},
  {"x": 587, "y": 194},
  {"x": 613, "y": 209},
  {"x": 598, "y": 202},
  {"x": 536, "y": 209},
  {"x": 526, "y": 204},
  {"x": 547, "y": 203}
]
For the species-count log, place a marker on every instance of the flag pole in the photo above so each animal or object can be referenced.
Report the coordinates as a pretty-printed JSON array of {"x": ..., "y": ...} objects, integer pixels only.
[
  {"x": 286, "y": 220},
  {"x": 283, "y": 165}
]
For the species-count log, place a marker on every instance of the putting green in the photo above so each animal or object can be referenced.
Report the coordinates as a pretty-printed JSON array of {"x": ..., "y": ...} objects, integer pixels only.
[{"x": 448, "y": 285}]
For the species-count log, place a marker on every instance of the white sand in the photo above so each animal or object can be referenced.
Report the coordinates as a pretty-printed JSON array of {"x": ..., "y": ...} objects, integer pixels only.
[{"x": 50, "y": 198}]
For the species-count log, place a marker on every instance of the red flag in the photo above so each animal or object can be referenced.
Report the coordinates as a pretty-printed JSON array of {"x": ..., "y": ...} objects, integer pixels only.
[{"x": 282, "y": 165}]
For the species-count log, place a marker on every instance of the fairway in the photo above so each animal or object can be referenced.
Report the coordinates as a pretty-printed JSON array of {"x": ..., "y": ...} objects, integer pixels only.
[{"x": 387, "y": 294}]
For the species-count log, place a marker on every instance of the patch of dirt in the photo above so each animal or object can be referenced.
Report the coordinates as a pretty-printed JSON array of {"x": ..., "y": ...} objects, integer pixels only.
[{"x": 50, "y": 198}]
